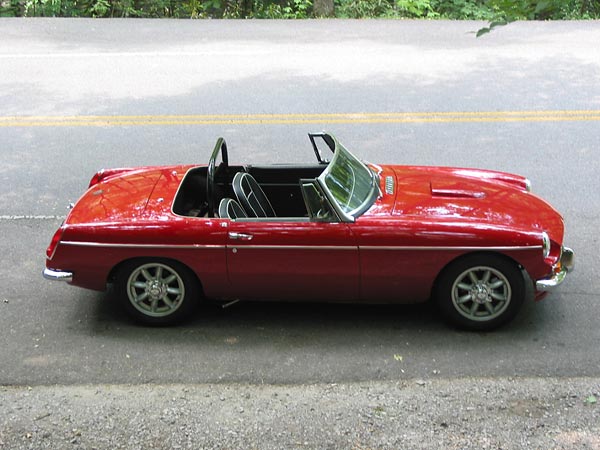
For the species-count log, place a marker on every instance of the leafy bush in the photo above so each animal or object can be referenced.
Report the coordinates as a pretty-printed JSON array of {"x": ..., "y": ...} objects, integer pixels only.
[
  {"x": 463, "y": 9},
  {"x": 416, "y": 8},
  {"x": 490, "y": 10},
  {"x": 358, "y": 9}
]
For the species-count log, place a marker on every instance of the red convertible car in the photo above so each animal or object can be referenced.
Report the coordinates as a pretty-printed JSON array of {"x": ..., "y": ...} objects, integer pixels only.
[{"x": 477, "y": 242}]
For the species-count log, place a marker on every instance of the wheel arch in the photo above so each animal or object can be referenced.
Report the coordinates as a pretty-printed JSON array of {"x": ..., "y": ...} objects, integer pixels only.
[
  {"x": 112, "y": 275},
  {"x": 459, "y": 258},
  {"x": 512, "y": 276}
]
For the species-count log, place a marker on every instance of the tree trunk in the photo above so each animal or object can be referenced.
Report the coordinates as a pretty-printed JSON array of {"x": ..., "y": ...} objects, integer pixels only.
[{"x": 323, "y": 8}]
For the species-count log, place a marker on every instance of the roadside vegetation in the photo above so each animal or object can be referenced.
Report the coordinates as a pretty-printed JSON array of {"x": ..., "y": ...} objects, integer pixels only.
[{"x": 494, "y": 11}]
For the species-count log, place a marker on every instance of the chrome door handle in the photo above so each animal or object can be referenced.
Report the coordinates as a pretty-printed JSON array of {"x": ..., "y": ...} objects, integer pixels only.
[{"x": 242, "y": 236}]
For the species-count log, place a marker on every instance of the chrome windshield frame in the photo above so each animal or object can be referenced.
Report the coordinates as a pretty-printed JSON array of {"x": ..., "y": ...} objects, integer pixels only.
[{"x": 366, "y": 203}]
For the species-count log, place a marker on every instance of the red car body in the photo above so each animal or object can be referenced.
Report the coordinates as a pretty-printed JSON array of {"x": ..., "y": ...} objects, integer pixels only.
[{"x": 423, "y": 219}]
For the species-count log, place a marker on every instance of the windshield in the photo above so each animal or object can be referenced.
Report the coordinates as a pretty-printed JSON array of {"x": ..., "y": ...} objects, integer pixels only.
[{"x": 350, "y": 184}]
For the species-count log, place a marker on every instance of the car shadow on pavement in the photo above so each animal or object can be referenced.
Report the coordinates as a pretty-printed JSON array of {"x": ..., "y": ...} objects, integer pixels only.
[
  {"x": 308, "y": 317},
  {"x": 260, "y": 342}
]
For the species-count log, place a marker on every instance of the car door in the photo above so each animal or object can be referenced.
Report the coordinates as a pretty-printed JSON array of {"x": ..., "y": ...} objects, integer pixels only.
[
  {"x": 292, "y": 259},
  {"x": 399, "y": 258}
]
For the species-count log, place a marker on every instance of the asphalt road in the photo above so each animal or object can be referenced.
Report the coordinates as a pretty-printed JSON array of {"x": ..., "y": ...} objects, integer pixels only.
[{"x": 76, "y": 96}]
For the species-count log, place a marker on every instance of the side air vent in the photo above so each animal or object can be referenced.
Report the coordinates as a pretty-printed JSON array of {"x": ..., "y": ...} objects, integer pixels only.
[{"x": 456, "y": 193}]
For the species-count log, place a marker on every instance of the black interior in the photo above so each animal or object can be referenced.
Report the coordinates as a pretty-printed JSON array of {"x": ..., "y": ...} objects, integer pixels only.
[
  {"x": 191, "y": 196},
  {"x": 281, "y": 184}
]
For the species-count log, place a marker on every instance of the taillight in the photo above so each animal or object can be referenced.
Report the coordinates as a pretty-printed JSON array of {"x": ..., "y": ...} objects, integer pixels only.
[
  {"x": 97, "y": 178},
  {"x": 104, "y": 174},
  {"x": 54, "y": 243}
]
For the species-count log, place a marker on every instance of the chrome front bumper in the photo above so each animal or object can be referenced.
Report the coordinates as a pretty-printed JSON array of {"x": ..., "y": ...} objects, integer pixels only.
[
  {"x": 57, "y": 275},
  {"x": 567, "y": 264}
]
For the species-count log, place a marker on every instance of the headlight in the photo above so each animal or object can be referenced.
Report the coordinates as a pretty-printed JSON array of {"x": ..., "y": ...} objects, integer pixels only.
[
  {"x": 545, "y": 244},
  {"x": 527, "y": 184}
]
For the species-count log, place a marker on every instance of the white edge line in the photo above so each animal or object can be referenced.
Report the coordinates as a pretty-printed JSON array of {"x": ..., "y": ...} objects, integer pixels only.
[
  {"x": 30, "y": 217},
  {"x": 111, "y": 54}
]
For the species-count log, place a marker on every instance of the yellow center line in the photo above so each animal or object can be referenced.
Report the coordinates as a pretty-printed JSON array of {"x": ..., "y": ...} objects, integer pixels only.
[{"x": 284, "y": 119}]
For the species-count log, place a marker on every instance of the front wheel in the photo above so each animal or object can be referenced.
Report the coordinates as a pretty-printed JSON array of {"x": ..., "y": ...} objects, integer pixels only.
[
  {"x": 480, "y": 292},
  {"x": 157, "y": 292}
]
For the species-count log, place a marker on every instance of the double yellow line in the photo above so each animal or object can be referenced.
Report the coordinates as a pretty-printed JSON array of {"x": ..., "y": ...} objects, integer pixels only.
[{"x": 292, "y": 119}]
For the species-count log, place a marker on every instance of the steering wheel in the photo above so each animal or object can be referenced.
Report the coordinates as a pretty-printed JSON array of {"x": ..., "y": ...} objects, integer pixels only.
[{"x": 220, "y": 147}]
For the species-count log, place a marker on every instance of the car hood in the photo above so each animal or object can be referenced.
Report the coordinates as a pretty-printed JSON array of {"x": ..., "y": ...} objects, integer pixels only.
[
  {"x": 129, "y": 195},
  {"x": 488, "y": 197}
]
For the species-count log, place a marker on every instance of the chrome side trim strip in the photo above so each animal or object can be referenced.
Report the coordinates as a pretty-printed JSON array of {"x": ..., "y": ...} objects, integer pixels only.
[
  {"x": 303, "y": 247},
  {"x": 449, "y": 248},
  {"x": 116, "y": 245},
  {"x": 295, "y": 247},
  {"x": 264, "y": 247}
]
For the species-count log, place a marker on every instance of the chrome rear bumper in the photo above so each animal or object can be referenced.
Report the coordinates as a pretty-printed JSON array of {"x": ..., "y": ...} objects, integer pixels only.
[
  {"x": 57, "y": 275},
  {"x": 567, "y": 264}
]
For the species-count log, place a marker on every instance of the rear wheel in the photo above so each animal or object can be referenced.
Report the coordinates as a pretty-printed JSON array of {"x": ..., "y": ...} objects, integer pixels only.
[
  {"x": 157, "y": 292},
  {"x": 480, "y": 292}
]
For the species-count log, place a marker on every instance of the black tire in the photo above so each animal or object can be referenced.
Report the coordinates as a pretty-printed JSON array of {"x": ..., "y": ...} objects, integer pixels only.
[
  {"x": 157, "y": 291},
  {"x": 480, "y": 292}
]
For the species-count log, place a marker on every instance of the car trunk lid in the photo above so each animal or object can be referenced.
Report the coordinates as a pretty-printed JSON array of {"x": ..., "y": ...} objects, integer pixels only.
[{"x": 120, "y": 198}]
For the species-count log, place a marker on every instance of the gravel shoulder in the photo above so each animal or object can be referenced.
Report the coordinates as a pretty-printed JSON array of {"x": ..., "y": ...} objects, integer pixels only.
[{"x": 548, "y": 413}]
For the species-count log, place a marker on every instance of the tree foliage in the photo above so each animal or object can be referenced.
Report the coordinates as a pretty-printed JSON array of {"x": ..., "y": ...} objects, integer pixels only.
[
  {"x": 495, "y": 11},
  {"x": 506, "y": 11}
]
